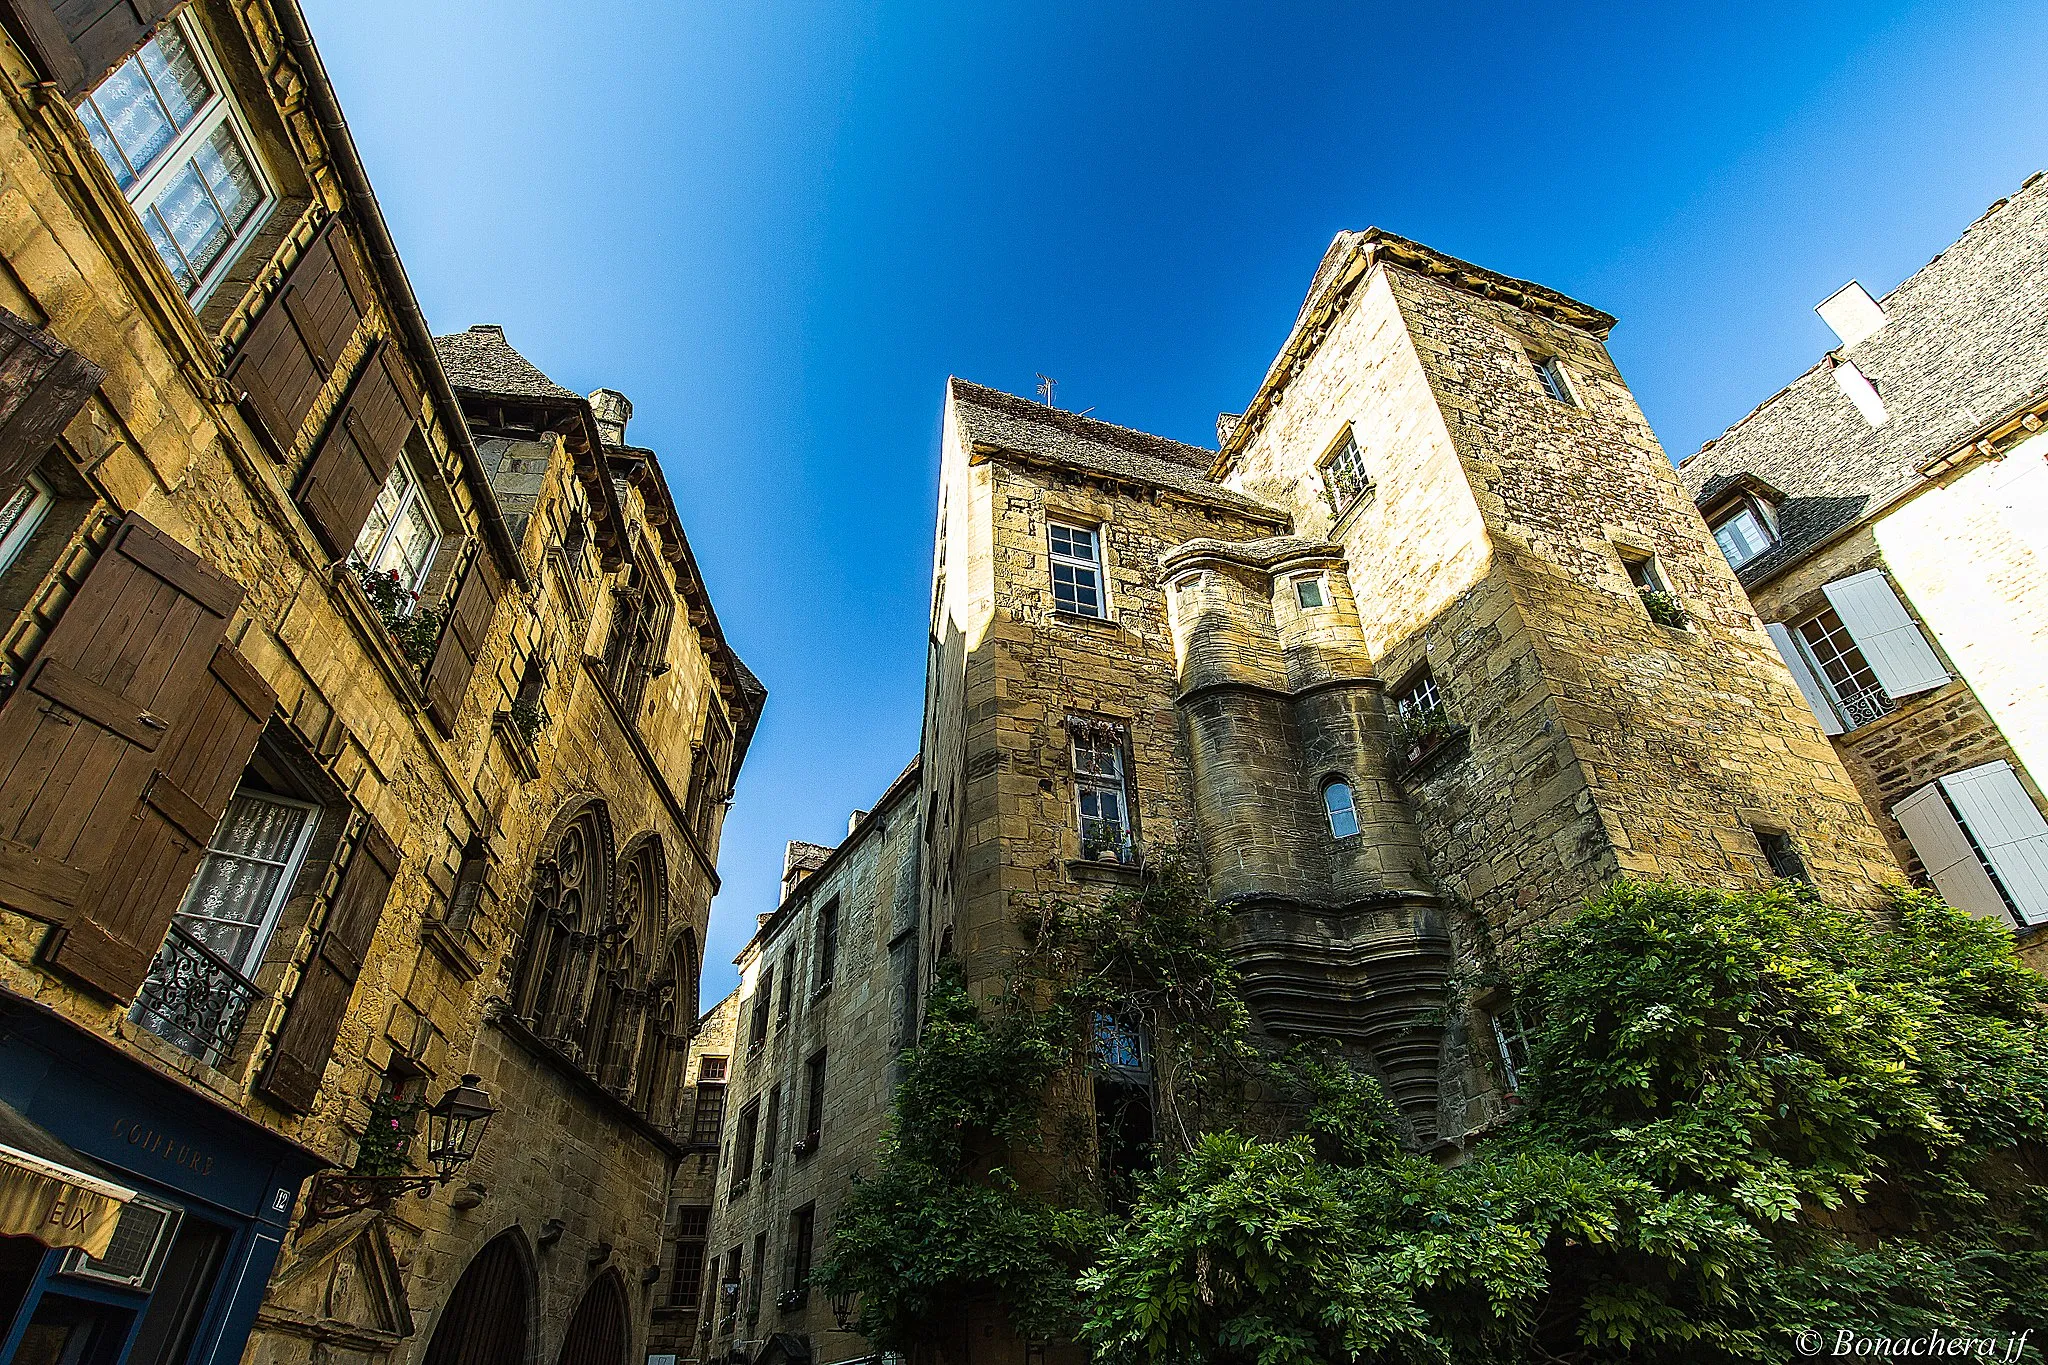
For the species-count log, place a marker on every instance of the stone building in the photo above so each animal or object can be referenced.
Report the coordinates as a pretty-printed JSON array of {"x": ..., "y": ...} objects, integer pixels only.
[
  {"x": 362, "y": 730},
  {"x": 689, "y": 1250},
  {"x": 1886, "y": 512},
  {"x": 1431, "y": 648},
  {"x": 826, "y": 1004}
]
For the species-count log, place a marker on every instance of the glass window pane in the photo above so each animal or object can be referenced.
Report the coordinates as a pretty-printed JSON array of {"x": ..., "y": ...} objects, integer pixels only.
[
  {"x": 188, "y": 213},
  {"x": 230, "y": 176},
  {"x": 1343, "y": 814},
  {"x": 412, "y": 544},
  {"x": 371, "y": 539},
  {"x": 168, "y": 249},
  {"x": 181, "y": 86},
  {"x": 242, "y": 876},
  {"x": 134, "y": 119},
  {"x": 103, "y": 143}
]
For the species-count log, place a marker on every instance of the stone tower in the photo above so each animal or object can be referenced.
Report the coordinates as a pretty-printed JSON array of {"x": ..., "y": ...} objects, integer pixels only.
[{"x": 1434, "y": 647}]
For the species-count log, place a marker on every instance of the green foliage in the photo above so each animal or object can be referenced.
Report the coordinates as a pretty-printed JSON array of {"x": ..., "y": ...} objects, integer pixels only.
[
  {"x": 414, "y": 628},
  {"x": 527, "y": 718},
  {"x": 1721, "y": 1082},
  {"x": 387, "y": 1137},
  {"x": 1665, "y": 609}
]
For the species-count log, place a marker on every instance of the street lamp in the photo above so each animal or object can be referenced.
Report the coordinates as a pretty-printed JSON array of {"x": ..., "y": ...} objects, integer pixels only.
[
  {"x": 842, "y": 1308},
  {"x": 455, "y": 1129}
]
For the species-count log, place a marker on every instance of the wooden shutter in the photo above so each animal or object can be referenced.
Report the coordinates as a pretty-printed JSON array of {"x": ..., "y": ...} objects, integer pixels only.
[
  {"x": 83, "y": 735},
  {"x": 304, "y": 1043},
  {"x": 355, "y": 456},
  {"x": 1892, "y": 645},
  {"x": 42, "y": 386},
  {"x": 1944, "y": 849},
  {"x": 290, "y": 353},
  {"x": 462, "y": 640},
  {"x": 129, "y": 902},
  {"x": 1809, "y": 685},
  {"x": 2009, "y": 829},
  {"x": 77, "y": 42}
]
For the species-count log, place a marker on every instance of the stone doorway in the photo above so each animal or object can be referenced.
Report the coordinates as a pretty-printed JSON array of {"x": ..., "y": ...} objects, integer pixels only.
[
  {"x": 597, "y": 1333},
  {"x": 485, "y": 1321}
]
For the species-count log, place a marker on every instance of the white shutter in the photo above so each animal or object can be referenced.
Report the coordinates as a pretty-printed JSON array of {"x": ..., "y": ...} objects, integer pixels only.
[
  {"x": 1809, "y": 686},
  {"x": 1946, "y": 853},
  {"x": 1892, "y": 645},
  {"x": 2010, "y": 831}
]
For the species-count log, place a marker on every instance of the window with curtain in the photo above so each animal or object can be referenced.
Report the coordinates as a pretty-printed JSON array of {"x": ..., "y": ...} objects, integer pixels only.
[
  {"x": 179, "y": 150},
  {"x": 199, "y": 987},
  {"x": 401, "y": 535}
]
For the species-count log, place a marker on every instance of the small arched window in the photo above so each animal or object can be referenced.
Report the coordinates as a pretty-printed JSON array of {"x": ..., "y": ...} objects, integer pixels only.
[{"x": 1337, "y": 804}]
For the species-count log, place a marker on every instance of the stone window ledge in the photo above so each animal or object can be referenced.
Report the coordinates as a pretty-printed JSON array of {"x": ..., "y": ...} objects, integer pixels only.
[
  {"x": 1075, "y": 618},
  {"x": 523, "y": 757},
  {"x": 1117, "y": 874},
  {"x": 1433, "y": 759},
  {"x": 448, "y": 943}
]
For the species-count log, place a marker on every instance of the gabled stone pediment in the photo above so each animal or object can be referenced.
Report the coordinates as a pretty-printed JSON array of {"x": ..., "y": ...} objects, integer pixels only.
[{"x": 345, "y": 1284}]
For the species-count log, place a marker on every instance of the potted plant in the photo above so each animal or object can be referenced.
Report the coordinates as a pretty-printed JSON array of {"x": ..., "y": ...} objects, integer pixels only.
[{"x": 1419, "y": 732}]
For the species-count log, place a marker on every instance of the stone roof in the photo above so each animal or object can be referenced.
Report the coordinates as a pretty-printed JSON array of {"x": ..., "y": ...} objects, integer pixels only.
[
  {"x": 1020, "y": 427},
  {"x": 1264, "y": 553},
  {"x": 482, "y": 361},
  {"x": 1964, "y": 344}
]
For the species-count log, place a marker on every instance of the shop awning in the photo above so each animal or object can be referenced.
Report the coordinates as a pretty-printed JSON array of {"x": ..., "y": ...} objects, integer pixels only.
[{"x": 47, "y": 1192}]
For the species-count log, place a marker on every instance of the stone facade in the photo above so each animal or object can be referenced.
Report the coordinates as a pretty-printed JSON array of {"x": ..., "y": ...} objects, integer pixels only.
[
  {"x": 1933, "y": 501},
  {"x": 824, "y": 1007},
  {"x": 243, "y": 429},
  {"x": 1434, "y": 647}
]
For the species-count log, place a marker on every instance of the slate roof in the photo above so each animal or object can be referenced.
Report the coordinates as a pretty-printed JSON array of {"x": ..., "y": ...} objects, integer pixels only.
[
  {"x": 990, "y": 417},
  {"x": 1965, "y": 344},
  {"x": 482, "y": 361}
]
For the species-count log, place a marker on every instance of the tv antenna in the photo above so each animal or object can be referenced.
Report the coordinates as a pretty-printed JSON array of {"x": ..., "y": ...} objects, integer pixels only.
[{"x": 1046, "y": 385}]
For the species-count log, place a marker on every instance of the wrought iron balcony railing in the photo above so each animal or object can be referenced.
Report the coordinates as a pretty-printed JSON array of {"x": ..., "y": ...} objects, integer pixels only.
[
  {"x": 194, "y": 1000},
  {"x": 1872, "y": 703}
]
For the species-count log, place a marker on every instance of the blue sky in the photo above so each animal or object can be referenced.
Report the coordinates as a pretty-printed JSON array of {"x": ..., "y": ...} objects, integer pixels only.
[{"x": 779, "y": 227}]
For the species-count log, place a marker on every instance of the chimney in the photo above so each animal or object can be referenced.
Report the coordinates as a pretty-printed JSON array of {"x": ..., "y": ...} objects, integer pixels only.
[
  {"x": 1226, "y": 422},
  {"x": 489, "y": 329},
  {"x": 1852, "y": 313},
  {"x": 612, "y": 410},
  {"x": 853, "y": 820}
]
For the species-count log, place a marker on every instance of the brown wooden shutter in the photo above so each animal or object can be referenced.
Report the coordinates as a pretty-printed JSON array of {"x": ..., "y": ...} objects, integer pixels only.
[
  {"x": 129, "y": 901},
  {"x": 84, "y": 733},
  {"x": 77, "y": 42},
  {"x": 307, "y": 1039},
  {"x": 290, "y": 353},
  {"x": 42, "y": 386},
  {"x": 355, "y": 456},
  {"x": 462, "y": 641}
]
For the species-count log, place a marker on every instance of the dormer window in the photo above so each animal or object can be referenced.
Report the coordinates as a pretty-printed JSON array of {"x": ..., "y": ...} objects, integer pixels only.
[
  {"x": 1744, "y": 518},
  {"x": 178, "y": 149}
]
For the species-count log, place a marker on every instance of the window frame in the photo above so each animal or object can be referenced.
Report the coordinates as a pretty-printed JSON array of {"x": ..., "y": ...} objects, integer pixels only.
[
  {"x": 814, "y": 1099},
  {"x": 1344, "y": 452},
  {"x": 1408, "y": 702},
  {"x": 152, "y": 181},
  {"x": 1757, "y": 512},
  {"x": 1781, "y": 854},
  {"x": 1554, "y": 379},
  {"x": 42, "y": 496},
  {"x": 1334, "y": 782},
  {"x": 1859, "y": 709},
  {"x": 828, "y": 946},
  {"x": 1098, "y": 566},
  {"x": 1310, "y": 580},
  {"x": 1113, "y": 739},
  {"x": 701, "y": 1240},
  {"x": 414, "y": 496}
]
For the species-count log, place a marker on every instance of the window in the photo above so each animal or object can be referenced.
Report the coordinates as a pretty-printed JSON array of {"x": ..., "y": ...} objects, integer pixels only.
[
  {"x": 814, "y": 1098},
  {"x": 1077, "y": 570},
  {"x": 401, "y": 535},
  {"x": 1338, "y": 805},
  {"x": 760, "y": 1274},
  {"x": 828, "y": 942},
  {"x": 1123, "y": 1104},
  {"x": 1122, "y": 1048},
  {"x": 749, "y": 1138},
  {"x": 764, "y": 995},
  {"x": 796, "y": 1270},
  {"x": 1100, "y": 791},
  {"x": 1782, "y": 855},
  {"x": 1745, "y": 533},
  {"x": 199, "y": 986},
  {"x": 771, "y": 1134},
  {"x": 729, "y": 1290},
  {"x": 709, "y": 1119},
  {"x": 1850, "y": 681},
  {"x": 1419, "y": 698},
  {"x": 1647, "y": 576},
  {"x": 1344, "y": 478},
  {"x": 1550, "y": 374},
  {"x": 1511, "y": 1044},
  {"x": 1308, "y": 592},
  {"x": 686, "y": 1272},
  {"x": 782, "y": 1006},
  {"x": 1982, "y": 841},
  {"x": 21, "y": 515},
  {"x": 178, "y": 150}
]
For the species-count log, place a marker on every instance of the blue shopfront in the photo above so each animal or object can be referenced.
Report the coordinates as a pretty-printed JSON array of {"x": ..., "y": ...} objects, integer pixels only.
[{"x": 181, "y": 1279}]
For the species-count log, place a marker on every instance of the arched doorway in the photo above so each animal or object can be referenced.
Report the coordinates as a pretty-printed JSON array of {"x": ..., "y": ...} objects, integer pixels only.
[
  {"x": 597, "y": 1333},
  {"x": 485, "y": 1320}
]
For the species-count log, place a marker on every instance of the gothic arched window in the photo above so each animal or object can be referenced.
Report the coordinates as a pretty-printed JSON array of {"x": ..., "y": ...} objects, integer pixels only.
[
  {"x": 619, "y": 994},
  {"x": 568, "y": 897},
  {"x": 668, "y": 1038}
]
